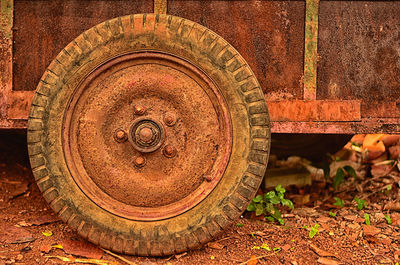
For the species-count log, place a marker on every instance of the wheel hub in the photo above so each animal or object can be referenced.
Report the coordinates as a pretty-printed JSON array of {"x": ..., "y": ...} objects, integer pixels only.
[
  {"x": 146, "y": 135},
  {"x": 141, "y": 133}
]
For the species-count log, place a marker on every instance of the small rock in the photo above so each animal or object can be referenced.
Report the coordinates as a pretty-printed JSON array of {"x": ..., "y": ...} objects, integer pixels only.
[{"x": 19, "y": 257}]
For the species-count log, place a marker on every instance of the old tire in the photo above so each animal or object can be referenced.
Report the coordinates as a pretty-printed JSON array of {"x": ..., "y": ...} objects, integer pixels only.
[{"x": 73, "y": 114}]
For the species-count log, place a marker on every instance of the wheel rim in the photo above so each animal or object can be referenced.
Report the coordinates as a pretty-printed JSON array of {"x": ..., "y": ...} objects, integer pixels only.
[{"x": 147, "y": 136}]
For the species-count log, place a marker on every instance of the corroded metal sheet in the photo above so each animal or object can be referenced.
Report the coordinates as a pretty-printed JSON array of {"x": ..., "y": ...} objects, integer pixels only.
[
  {"x": 19, "y": 103},
  {"x": 314, "y": 110},
  {"x": 358, "y": 83},
  {"x": 6, "y": 23},
  {"x": 160, "y": 6},
  {"x": 364, "y": 126},
  {"x": 359, "y": 49},
  {"x": 268, "y": 34},
  {"x": 42, "y": 28}
]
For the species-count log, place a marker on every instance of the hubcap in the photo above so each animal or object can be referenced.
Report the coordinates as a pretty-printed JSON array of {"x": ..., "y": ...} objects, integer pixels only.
[{"x": 147, "y": 136}]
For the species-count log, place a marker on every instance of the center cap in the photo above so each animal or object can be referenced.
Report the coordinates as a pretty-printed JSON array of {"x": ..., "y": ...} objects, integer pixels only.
[{"x": 146, "y": 135}]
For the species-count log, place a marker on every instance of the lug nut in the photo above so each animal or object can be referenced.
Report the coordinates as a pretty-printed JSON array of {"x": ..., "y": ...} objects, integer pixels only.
[
  {"x": 120, "y": 136},
  {"x": 169, "y": 151},
  {"x": 169, "y": 120},
  {"x": 140, "y": 161},
  {"x": 139, "y": 110}
]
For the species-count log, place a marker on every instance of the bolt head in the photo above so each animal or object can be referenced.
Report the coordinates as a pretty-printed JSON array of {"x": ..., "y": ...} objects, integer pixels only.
[
  {"x": 140, "y": 161},
  {"x": 139, "y": 110},
  {"x": 169, "y": 151},
  {"x": 170, "y": 120},
  {"x": 120, "y": 136}
]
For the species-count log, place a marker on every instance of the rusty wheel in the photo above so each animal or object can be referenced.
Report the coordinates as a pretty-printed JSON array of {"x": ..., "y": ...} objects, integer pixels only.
[{"x": 148, "y": 134}]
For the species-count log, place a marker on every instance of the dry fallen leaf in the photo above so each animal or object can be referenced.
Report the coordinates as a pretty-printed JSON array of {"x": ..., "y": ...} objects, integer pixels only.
[
  {"x": 87, "y": 261},
  {"x": 324, "y": 219},
  {"x": 82, "y": 248},
  {"x": 44, "y": 219},
  {"x": 286, "y": 247},
  {"x": 47, "y": 233},
  {"x": 253, "y": 260},
  {"x": 321, "y": 252},
  {"x": 373, "y": 142},
  {"x": 393, "y": 206},
  {"x": 120, "y": 257},
  {"x": 215, "y": 245},
  {"x": 370, "y": 230},
  {"x": 20, "y": 189},
  {"x": 14, "y": 235},
  {"x": 327, "y": 261},
  {"x": 45, "y": 248}
]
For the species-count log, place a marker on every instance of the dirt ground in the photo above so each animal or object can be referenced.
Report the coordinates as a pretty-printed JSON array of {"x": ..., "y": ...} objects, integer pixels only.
[{"x": 31, "y": 234}]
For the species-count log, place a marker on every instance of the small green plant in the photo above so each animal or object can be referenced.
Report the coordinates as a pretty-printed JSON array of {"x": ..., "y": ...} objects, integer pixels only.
[
  {"x": 277, "y": 249},
  {"x": 239, "y": 225},
  {"x": 350, "y": 171},
  {"x": 338, "y": 202},
  {"x": 265, "y": 246},
  {"x": 313, "y": 231},
  {"x": 388, "y": 219},
  {"x": 387, "y": 189},
  {"x": 265, "y": 205},
  {"x": 361, "y": 204},
  {"x": 332, "y": 214},
  {"x": 367, "y": 220},
  {"x": 341, "y": 174}
]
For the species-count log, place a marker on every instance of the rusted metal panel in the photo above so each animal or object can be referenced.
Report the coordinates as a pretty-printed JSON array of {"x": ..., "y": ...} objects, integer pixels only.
[
  {"x": 358, "y": 83},
  {"x": 382, "y": 110},
  {"x": 160, "y": 6},
  {"x": 268, "y": 34},
  {"x": 359, "y": 49},
  {"x": 314, "y": 110},
  {"x": 364, "y": 126},
  {"x": 42, "y": 28},
  {"x": 6, "y": 23},
  {"x": 19, "y": 104}
]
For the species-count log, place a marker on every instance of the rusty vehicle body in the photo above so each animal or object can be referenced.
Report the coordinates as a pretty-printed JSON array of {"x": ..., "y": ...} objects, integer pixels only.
[
  {"x": 150, "y": 133},
  {"x": 324, "y": 67}
]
